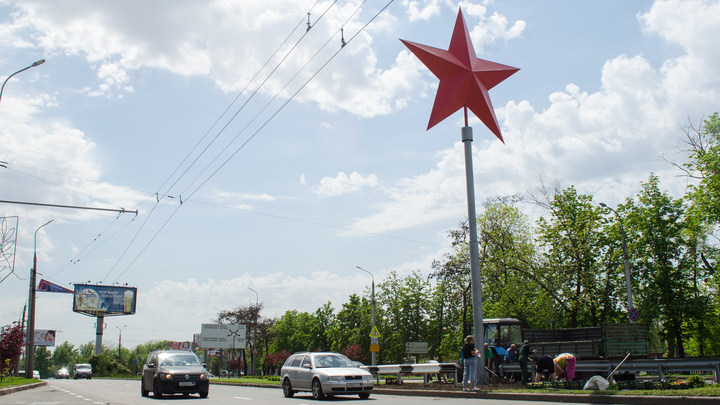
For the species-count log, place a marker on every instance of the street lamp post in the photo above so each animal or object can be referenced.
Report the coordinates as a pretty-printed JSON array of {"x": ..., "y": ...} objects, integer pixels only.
[
  {"x": 372, "y": 299},
  {"x": 30, "y": 351},
  {"x": 120, "y": 340},
  {"x": 631, "y": 306},
  {"x": 253, "y": 353},
  {"x": 40, "y": 62}
]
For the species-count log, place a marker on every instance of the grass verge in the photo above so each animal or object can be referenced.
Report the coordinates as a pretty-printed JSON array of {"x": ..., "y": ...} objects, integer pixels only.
[{"x": 16, "y": 381}]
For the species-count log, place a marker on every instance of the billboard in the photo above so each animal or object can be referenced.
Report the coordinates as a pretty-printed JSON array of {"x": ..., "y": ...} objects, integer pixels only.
[
  {"x": 180, "y": 346},
  {"x": 105, "y": 300},
  {"x": 45, "y": 338},
  {"x": 218, "y": 336}
]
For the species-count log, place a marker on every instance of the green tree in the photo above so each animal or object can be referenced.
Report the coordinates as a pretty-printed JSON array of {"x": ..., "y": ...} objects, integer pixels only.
[
  {"x": 655, "y": 227},
  {"x": 294, "y": 332},
  {"x": 352, "y": 325},
  {"x": 703, "y": 145},
  {"x": 571, "y": 238},
  {"x": 43, "y": 363},
  {"x": 406, "y": 305},
  {"x": 64, "y": 355}
]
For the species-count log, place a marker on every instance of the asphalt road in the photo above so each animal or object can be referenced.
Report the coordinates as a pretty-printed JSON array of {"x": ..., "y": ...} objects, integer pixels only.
[{"x": 114, "y": 392}]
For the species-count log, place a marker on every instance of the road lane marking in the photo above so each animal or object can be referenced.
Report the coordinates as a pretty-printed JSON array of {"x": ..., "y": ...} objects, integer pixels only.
[{"x": 248, "y": 399}]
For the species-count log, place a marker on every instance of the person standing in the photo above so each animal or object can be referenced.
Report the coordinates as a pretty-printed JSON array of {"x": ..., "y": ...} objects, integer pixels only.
[
  {"x": 469, "y": 354},
  {"x": 524, "y": 356}
]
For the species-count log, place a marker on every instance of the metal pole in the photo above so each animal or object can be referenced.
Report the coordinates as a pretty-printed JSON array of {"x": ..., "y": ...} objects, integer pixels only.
[
  {"x": 40, "y": 62},
  {"x": 254, "y": 345},
  {"x": 372, "y": 298},
  {"x": 467, "y": 138},
  {"x": 628, "y": 283},
  {"x": 120, "y": 339},
  {"x": 30, "y": 350},
  {"x": 99, "y": 333}
]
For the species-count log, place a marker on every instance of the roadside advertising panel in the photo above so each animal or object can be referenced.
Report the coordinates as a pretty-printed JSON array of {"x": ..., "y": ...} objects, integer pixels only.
[
  {"x": 45, "y": 338},
  {"x": 218, "y": 336},
  {"x": 105, "y": 300}
]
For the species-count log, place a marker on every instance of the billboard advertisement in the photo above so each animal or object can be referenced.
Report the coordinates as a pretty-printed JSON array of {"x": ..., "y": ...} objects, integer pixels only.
[
  {"x": 218, "y": 336},
  {"x": 180, "y": 346},
  {"x": 105, "y": 300},
  {"x": 45, "y": 338}
]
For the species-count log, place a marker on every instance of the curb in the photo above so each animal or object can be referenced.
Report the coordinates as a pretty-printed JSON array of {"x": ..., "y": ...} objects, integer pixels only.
[
  {"x": 569, "y": 398},
  {"x": 10, "y": 390}
]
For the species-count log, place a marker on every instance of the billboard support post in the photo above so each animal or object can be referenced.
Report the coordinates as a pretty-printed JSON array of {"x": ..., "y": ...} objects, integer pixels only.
[{"x": 99, "y": 333}]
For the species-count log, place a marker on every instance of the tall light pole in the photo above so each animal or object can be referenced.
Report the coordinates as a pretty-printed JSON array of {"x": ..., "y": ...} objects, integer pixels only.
[
  {"x": 372, "y": 299},
  {"x": 30, "y": 351},
  {"x": 254, "y": 345},
  {"x": 632, "y": 312},
  {"x": 120, "y": 339},
  {"x": 38, "y": 63}
]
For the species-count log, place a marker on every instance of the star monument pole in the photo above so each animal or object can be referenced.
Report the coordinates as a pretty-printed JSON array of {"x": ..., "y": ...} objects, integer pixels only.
[{"x": 464, "y": 83}]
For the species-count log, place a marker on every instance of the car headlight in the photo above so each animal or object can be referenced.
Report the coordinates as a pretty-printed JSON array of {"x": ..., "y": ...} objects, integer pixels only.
[
  {"x": 336, "y": 379},
  {"x": 367, "y": 378},
  {"x": 202, "y": 376},
  {"x": 166, "y": 376}
]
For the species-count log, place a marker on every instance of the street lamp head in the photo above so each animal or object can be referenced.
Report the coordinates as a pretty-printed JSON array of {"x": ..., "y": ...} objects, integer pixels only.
[{"x": 38, "y": 63}]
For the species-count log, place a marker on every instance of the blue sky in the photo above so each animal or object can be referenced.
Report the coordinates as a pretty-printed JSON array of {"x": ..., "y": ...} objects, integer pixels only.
[{"x": 345, "y": 174}]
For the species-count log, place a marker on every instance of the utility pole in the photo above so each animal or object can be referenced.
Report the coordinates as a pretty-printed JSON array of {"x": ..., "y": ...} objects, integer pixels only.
[{"x": 30, "y": 351}]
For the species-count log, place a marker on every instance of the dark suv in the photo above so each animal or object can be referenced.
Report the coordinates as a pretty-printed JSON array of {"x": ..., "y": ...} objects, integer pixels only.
[{"x": 174, "y": 372}]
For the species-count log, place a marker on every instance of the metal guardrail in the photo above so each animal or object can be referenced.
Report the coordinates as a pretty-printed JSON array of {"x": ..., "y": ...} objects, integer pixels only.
[
  {"x": 660, "y": 367},
  {"x": 425, "y": 369}
]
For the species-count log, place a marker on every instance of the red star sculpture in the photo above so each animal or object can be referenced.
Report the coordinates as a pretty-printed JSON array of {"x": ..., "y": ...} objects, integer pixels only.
[{"x": 464, "y": 79}]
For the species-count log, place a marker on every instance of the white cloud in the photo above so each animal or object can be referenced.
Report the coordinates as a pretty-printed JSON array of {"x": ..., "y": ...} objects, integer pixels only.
[
  {"x": 605, "y": 143},
  {"x": 344, "y": 184},
  {"x": 230, "y": 197}
]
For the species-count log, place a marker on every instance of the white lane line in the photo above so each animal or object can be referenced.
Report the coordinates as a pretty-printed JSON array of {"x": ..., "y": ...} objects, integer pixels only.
[{"x": 248, "y": 399}]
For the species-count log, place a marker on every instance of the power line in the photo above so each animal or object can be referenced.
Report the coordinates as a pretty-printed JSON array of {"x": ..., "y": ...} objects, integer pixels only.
[{"x": 264, "y": 124}]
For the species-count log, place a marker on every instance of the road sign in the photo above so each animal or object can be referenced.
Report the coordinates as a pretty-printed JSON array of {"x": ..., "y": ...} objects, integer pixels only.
[
  {"x": 218, "y": 336},
  {"x": 633, "y": 314},
  {"x": 416, "y": 347},
  {"x": 374, "y": 332},
  {"x": 374, "y": 344}
]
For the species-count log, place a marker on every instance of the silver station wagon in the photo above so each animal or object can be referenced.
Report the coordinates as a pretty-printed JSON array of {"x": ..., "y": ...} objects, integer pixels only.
[{"x": 324, "y": 374}]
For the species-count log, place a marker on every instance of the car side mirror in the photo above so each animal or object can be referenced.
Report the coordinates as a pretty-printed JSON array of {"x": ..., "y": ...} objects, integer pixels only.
[
  {"x": 151, "y": 365},
  {"x": 307, "y": 366},
  {"x": 204, "y": 365}
]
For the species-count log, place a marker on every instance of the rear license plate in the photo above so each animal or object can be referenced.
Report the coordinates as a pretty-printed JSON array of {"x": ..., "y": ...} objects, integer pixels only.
[
  {"x": 354, "y": 385},
  {"x": 187, "y": 383}
]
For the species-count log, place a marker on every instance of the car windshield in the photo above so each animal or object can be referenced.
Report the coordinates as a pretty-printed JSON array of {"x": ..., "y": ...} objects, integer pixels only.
[
  {"x": 83, "y": 367},
  {"x": 333, "y": 360},
  {"x": 179, "y": 359}
]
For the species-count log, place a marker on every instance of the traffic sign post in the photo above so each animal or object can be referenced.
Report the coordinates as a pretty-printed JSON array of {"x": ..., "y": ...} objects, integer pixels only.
[
  {"x": 416, "y": 347},
  {"x": 374, "y": 340}
]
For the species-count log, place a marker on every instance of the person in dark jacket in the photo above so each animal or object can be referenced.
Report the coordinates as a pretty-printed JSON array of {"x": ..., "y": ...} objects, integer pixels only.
[
  {"x": 469, "y": 354},
  {"x": 524, "y": 356}
]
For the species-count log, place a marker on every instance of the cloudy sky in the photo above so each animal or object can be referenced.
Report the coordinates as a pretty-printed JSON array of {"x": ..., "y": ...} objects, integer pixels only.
[{"x": 264, "y": 155}]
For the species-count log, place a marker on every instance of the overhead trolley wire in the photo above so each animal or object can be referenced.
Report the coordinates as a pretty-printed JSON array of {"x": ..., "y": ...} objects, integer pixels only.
[
  {"x": 249, "y": 98},
  {"x": 233, "y": 117},
  {"x": 264, "y": 124}
]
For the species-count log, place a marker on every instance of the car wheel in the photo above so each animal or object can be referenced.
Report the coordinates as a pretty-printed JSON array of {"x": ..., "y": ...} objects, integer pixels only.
[
  {"x": 157, "y": 393},
  {"x": 143, "y": 391},
  {"x": 364, "y": 395},
  {"x": 317, "y": 391},
  {"x": 203, "y": 394},
  {"x": 287, "y": 388}
]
